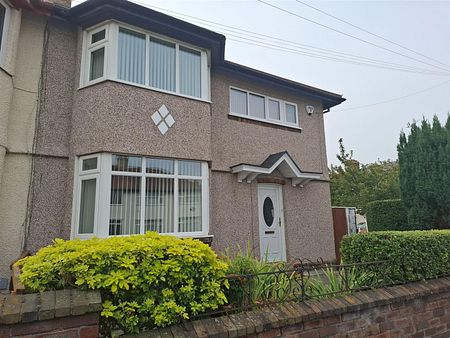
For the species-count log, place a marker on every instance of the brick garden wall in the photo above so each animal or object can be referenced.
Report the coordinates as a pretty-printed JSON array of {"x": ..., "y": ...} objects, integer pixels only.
[
  {"x": 64, "y": 313},
  {"x": 419, "y": 309}
]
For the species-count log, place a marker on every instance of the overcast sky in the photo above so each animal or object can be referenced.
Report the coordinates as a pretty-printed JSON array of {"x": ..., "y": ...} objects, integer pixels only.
[{"x": 373, "y": 131}]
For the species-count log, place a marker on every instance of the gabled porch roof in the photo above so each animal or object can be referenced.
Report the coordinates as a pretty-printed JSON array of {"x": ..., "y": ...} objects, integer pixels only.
[{"x": 281, "y": 161}]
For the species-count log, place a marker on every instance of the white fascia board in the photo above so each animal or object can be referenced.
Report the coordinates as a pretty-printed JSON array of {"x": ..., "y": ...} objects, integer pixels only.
[{"x": 250, "y": 169}]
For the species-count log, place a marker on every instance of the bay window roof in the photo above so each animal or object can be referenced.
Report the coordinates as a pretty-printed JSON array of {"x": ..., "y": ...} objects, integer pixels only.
[
  {"x": 282, "y": 162},
  {"x": 92, "y": 12}
]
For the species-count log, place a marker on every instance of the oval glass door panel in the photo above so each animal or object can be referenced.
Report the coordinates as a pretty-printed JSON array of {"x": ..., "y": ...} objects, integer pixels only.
[{"x": 268, "y": 211}]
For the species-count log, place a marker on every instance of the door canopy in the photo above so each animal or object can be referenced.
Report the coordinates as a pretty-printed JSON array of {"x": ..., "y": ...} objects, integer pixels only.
[{"x": 281, "y": 161}]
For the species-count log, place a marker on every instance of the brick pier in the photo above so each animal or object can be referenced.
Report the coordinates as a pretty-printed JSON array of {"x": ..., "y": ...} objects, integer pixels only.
[{"x": 64, "y": 313}]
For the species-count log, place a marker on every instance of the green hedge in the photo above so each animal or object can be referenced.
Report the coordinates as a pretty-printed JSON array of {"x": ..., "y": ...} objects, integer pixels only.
[
  {"x": 387, "y": 215},
  {"x": 145, "y": 280},
  {"x": 410, "y": 255}
]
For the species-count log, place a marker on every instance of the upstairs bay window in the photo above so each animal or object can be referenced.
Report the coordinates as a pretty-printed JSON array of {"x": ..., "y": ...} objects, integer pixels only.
[
  {"x": 133, "y": 56},
  {"x": 126, "y": 195},
  {"x": 263, "y": 108}
]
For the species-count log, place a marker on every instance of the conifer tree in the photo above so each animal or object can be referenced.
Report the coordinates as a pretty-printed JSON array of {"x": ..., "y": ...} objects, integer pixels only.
[{"x": 424, "y": 159}]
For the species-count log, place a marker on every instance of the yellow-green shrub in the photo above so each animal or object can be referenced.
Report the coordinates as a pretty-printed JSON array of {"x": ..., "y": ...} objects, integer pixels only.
[{"x": 146, "y": 280}]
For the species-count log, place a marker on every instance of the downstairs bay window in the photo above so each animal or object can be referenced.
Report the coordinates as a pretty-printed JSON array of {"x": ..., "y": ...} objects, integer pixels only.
[{"x": 126, "y": 195}]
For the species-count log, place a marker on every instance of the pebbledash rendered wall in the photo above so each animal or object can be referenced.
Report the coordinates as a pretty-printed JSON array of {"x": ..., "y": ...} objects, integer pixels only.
[
  {"x": 115, "y": 117},
  {"x": 234, "y": 205},
  {"x": 50, "y": 209}
]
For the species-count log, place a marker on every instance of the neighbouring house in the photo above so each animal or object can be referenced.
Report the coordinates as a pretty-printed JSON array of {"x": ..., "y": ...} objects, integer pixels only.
[{"x": 130, "y": 120}]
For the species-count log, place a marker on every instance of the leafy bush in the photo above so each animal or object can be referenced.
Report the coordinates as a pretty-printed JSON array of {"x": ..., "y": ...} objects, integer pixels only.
[
  {"x": 387, "y": 215},
  {"x": 145, "y": 280},
  {"x": 410, "y": 255}
]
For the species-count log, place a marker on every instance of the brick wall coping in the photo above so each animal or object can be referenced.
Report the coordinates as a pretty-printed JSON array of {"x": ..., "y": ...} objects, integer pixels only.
[
  {"x": 292, "y": 313},
  {"x": 47, "y": 305}
]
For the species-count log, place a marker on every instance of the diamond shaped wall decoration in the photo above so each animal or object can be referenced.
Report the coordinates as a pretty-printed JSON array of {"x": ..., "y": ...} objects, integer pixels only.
[
  {"x": 170, "y": 121},
  {"x": 156, "y": 118},
  {"x": 163, "y": 128},
  {"x": 163, "y": 119},
  {"x": 163, "y": 110}
]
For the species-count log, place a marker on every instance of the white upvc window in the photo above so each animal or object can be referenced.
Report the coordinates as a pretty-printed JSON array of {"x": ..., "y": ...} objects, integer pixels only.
[
  {"x": 123, "y": 53},
  {"x": 125, "y": 195},
  {"x": 5, "y": 13},
  {"x": 263, "y": 108}
]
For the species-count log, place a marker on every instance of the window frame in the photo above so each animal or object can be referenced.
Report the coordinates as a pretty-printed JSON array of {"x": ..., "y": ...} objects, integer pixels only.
[
  {"x": 103, "y": 175},
  {"x": 266, "y": 119},
  {"x": 111, "y": 43},
  {"x": 76, "y": 230},
  {"x": 4, "y": 32},
  {"x": 89, "y": 48},
  {"x": 285, "y": 111},
  {"x": 280, "y": 103}
]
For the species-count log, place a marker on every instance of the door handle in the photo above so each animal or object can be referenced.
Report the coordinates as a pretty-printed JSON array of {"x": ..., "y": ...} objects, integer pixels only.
[{"x": 279, "y": 221}]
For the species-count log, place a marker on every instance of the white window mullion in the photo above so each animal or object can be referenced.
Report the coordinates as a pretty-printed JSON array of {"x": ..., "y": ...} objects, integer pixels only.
[
  {"x": 205, "y": 198},
  {"x": 283, "y": 112},
  {"x": 111, "y": 71},
  {"x": 248, "y": 104},
  {"x": 104, "y": 195},
  {"x": 266, "y": 107},
  {"x": 175, "y": 199},
  {"x": 143, "y": 193}
]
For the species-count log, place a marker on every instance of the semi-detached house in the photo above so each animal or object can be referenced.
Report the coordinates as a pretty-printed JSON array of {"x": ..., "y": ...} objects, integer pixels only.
[{"x": 122, "y": 120}]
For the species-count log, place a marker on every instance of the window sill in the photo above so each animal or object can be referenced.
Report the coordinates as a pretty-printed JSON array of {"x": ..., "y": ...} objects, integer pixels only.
[
  {"x": 265, "y": 123},
  {"x": 200, "y": 236},
  {"x": 95, "y": 82}
]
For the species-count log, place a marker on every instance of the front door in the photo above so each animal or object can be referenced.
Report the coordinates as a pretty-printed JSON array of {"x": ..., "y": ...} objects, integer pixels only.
[{"x": 271, "y": 227}]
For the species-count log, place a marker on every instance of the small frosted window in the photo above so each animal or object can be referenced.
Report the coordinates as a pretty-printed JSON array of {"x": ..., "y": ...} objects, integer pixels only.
[
  {"x": 99, "y": 36},
  {"x": 189, "y": 168},
  {"x": 90, "y": 164}
]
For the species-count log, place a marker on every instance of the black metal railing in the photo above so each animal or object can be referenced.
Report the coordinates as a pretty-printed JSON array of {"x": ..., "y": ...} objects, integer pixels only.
[{"x": 299, "y": 281}]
